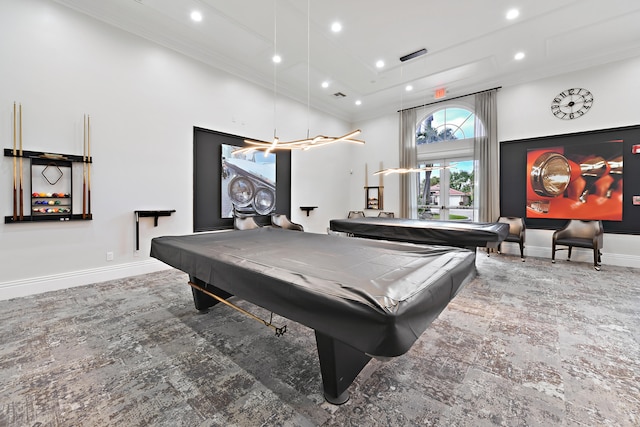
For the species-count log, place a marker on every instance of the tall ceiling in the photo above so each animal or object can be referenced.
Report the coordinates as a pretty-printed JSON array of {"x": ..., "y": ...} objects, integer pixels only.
[{"x": 470, "y": 43}]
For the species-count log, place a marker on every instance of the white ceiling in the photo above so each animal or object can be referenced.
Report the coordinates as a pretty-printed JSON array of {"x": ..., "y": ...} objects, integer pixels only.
[{"x": 470, "y": 43}]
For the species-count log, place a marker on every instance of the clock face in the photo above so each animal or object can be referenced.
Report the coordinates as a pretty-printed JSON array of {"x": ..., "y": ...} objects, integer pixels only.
[{"x": 572, "y": 103}]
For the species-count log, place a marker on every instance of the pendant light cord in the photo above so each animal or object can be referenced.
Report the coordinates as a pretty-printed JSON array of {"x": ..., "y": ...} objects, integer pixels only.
[
  {"x": 308, "y": 66},
  {"x": 275, "y": 68}
]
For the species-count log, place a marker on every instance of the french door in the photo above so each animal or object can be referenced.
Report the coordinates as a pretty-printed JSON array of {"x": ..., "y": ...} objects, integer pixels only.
[{"x": 445, "y": 189}]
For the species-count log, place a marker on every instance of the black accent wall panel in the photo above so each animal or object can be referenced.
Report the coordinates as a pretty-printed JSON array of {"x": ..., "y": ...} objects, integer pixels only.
[
  {"x": 513, "y": 166},
  {"x": 207, "y": 174}
]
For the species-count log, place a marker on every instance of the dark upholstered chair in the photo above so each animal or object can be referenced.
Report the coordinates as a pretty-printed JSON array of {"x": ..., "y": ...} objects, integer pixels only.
[
  {"x": 385, "y": 215},
  {"x": 355, "y": 214},
  {"x": 517, "y": 232},
  {"x": 582, "y": 234},
  {"x": 246, "y": 223},
  {"x": 281, "y": 221}
]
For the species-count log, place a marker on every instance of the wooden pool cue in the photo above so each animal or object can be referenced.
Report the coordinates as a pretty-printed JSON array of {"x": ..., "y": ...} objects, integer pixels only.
[
  {"x": 84, "y": 168},
  {"x": 21, "y": 173},
  {"x": 89, "y": 165},
  {"x": 15, "y": 172},
  {"x": 279, "y": 331}
]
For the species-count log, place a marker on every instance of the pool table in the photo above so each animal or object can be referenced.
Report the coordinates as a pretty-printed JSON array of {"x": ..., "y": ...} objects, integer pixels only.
[
  {"x": 463, "y": 234},
  {"x": 363, "y": 298}
]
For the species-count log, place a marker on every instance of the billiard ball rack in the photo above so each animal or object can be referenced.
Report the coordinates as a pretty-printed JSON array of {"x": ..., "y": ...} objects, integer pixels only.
[
  {"x": 56, "y": 170},
  {"x": 54, "y": 205}
]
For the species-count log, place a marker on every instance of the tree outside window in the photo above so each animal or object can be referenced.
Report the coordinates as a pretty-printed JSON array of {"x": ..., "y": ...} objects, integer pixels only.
[{"x": 448, "y": 124}]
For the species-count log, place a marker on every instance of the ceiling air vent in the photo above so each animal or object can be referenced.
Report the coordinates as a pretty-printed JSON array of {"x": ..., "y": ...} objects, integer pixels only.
[
  {"x": 339, "y": 95},
  {"x": 413, "y": 55}
]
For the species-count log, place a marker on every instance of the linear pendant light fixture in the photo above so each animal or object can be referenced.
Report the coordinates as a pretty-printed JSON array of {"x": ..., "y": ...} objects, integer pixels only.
[
  {"x": 301, "y": 144},
  {"x": 414, "y": 170}
]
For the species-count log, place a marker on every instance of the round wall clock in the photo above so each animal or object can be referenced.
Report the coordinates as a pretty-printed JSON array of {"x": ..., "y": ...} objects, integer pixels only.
[{"x": 572, "y": 103}]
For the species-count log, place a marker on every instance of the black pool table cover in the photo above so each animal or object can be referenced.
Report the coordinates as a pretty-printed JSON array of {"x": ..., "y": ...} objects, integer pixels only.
[
  {"x": 430, "y": 232},
  {"x": 376, "y": 297}
]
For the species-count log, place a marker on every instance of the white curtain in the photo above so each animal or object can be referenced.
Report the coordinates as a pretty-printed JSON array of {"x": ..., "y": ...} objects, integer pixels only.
[
  {"x": 408, "y": 159},
  {"x": 487, "y": 157}
]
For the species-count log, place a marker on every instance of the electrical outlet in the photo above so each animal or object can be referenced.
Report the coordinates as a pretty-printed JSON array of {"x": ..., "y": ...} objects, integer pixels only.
[{"x": 109, "y": 256}]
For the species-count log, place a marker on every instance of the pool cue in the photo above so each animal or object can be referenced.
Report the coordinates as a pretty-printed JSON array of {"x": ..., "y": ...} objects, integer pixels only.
[
  {"x": 84, "y": 168},
  {"x": 15, "y": 171},
  {"x": 21, "y": 173},
  {"x": 89, "y": 165},
  {"x": 279, "y": 331}
]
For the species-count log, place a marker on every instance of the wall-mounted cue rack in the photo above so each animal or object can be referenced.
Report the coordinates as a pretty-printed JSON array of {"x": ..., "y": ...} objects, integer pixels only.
[{"x": 51, "y": 189}]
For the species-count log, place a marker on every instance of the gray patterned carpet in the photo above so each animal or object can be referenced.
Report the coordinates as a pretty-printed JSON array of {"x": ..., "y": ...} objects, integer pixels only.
[{"x": 524, "y": 344}]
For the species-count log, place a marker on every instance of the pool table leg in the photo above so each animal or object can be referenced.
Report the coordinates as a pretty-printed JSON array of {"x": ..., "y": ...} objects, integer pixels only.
[
  {"x": 340, "y": 364},
  {"x": 203, "y": 301}
]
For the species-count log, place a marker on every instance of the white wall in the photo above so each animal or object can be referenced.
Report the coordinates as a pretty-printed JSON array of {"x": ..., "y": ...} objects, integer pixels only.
[
  {"x": 524, "y": 111},
  {"x": 144, "y": 101},
  {"x": 380, "y": 151}
]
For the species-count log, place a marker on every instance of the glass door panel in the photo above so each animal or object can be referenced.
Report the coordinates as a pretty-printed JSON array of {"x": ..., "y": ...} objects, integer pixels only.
[
  {"x": 429, "y": 191},
  {"x": 460, "y": 185},
  {"x": 446, "y": 192}
]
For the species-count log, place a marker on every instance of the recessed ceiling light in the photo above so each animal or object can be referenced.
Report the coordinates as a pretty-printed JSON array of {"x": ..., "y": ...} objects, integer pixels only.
[
  {"x": 336, "y": 27},
  {"x": 513, "y": 14},
  {"x": 518, "y": 56},
  {"x": 277, "y": 59},
  {"x": 196, "y": 16},
  {"x": 408, "y": 88},
  {"x": 358, "y": 102},
  {"x": 325, "y": 84},
  {"x": 380, "y": 63}
]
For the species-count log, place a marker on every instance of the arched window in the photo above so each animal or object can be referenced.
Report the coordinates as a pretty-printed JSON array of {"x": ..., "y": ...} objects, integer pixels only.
[
  {"x": 446, "y": 124},
  {"x": 444, "y": 141}
]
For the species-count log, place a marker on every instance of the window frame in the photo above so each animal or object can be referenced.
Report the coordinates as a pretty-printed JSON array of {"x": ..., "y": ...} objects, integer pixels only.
[
  {"x": 449, "y": 149},
  {"x": 450, "y": 124}
]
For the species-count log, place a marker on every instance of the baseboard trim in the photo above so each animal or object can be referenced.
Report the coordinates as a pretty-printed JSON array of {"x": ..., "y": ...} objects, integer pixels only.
[
  {"x": 54, "y": 282},
  {"x": 577, "y": 255}
]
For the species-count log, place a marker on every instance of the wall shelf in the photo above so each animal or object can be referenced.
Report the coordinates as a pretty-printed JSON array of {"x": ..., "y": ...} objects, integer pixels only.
[
  {"x": 307, "y": 209},
  {"x": 155, "y": 214}
]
